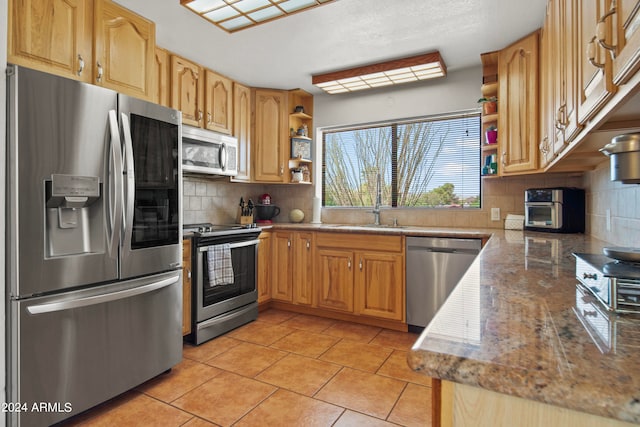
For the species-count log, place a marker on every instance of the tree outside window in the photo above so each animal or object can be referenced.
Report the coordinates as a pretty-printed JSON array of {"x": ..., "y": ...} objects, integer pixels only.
[{"x": 433, "y": 162}]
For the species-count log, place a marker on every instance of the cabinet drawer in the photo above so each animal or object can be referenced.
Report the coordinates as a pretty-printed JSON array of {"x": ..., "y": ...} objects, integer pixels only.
[{"x": 354, "y": 241}]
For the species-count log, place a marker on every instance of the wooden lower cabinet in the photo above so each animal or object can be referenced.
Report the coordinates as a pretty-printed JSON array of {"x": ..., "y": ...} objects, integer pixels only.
[
  {"x": 264, "y": 267},
  {"x": 380, "y": 285},
  {"x": 292, "y": 275},
  {"x": 186, "y": 286},
  {"x": 335, "y": 279}
]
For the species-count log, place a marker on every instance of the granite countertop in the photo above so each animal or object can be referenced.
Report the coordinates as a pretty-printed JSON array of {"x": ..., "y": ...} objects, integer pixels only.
[{"x": 512, "y": 326}]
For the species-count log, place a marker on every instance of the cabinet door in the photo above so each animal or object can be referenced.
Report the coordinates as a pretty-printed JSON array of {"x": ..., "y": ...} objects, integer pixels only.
[
  {"x": 186, "y": 286},
  {"x": 162, "y": 92},
  {"x": 380, "y": 285},
  {"x": 335, "y": 279},
  {"x": 264, "y": 267},
  {"x": 242, "y": 130},
  {"x": 626, "y": 21},
  {"x": 547, "y": 80},
  {"x": 52, "y": 36},
  {"x": 187, "y": 90},
  {"x": 218, "y": 102},
  {"x": 282, "y": 273},
  {"x": 303, "y": 268},
  {"x": 270, "y": 136},
  {"x": 125, "y": 45},
  {"x": 518, "y": 120},
  {"x": 595, "y": 84}
]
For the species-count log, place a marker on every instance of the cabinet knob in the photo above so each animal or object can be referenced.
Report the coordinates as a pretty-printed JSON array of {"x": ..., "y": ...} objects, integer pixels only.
[
  {"x": 80, "y": 64},
  {"x": 100, "y": 72},
  {"x": 308, "y": 244}
]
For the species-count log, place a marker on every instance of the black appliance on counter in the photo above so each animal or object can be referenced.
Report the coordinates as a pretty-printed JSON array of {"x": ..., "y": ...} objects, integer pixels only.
[
  {"x": 557, "y": 210},
  {"x": 219, "y": 308}
]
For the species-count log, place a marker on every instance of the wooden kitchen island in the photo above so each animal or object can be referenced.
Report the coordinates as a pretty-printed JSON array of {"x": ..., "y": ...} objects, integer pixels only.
[{"x": 510, "y": 347}]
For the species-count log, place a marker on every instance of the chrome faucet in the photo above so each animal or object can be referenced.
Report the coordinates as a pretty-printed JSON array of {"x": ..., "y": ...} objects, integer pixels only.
[{"x": 376, "y": 207}]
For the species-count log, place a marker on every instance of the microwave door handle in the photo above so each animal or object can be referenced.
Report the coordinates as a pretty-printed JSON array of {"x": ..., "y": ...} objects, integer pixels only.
[
  {"x": 114, "y": 185},
  {"x": 223, "y": 156},
  {"x": 130, "y": 181}
]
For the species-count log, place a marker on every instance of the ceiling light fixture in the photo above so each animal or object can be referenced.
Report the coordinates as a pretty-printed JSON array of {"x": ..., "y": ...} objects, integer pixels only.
[
  {"x": 235, "y": 15},
  {"x": 415, "y": 68}
]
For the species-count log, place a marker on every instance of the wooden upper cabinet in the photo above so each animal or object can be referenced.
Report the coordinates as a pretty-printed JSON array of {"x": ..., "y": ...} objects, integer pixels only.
[
  {"x": 52, "y": 35},
  {"x": 242, "y": 130},
  {"x": 595, "y": 83},
  {"x": 124, "y": 49},
  {"x": 162, "y": 84},
  {"x": 187, "y": 90},
  {"x": 626, "y": 17},
  {"x": 218, "y": 103},
  {"x": 270, "y": 136},
  {"x": 518, "y": 105}
]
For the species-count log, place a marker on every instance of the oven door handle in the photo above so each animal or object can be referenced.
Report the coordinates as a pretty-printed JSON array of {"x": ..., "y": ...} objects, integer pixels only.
[{"x": 234, "y": 245}]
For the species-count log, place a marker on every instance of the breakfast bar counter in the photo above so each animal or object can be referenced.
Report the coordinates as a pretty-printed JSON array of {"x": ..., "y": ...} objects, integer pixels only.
[{"x": 516, "y": 324}]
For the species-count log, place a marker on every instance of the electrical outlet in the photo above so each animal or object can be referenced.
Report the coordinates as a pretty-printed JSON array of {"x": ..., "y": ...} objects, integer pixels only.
[
  {"x": 495, "y": 214},
  {"x": 608, "y": 219}
]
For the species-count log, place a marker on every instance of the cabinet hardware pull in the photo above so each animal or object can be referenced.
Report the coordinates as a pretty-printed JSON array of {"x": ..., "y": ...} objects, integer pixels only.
[
  {"x": 308, "y": 244},
  {"x": 281, "y": 170},
  {"x": 544, "y": 145},
  {"x": 80, "y": 64},
  {"x": 349, "y": 263},
  {"x": 288, "y": 243},
  {"x": 591, "y": 53},
  {"x": 189, "y": 274},
  {"x": 208, "y": 117},
  {"x": 601, "y": 31},
  {"x": 199, "y": 115},
  {"x": 360, "y": 264},
  {"x": 504, "y": 158},
  {"x": 100, "y": 72}
]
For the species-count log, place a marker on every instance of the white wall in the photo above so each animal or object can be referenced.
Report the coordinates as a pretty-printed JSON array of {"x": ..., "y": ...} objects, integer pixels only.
[
  {"x": 459, "y": 90},
  {"x": 3, "y": 80}
]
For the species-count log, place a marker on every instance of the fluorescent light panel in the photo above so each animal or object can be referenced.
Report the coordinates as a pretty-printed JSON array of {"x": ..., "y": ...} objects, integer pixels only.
[
  {"x": 235, "y": 15},
  {"x": 415, "y": 68}
]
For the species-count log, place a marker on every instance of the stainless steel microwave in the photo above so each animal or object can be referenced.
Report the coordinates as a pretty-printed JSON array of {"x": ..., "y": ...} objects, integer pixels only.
[
  {"x": 559, "y": 209},
  {"x": 207, "y": 152}
]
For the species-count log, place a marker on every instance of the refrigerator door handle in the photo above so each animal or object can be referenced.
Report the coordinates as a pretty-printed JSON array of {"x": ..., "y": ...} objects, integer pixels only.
[
  {"x": 101, "y": 299},
  {"x": 115, "y": 190},
  {"x": 131, "y": 181}
]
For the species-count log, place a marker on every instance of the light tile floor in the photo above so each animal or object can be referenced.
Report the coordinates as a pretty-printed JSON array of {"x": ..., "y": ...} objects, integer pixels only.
[{"x": 284, "y": 369}]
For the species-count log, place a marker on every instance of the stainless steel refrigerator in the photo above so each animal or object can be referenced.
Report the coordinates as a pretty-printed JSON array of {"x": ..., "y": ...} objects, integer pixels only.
[{"x": 94, "y": 244}]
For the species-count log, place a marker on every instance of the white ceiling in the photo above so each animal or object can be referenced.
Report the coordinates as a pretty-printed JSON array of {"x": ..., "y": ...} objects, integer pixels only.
[{"x": 285, "y": 53}]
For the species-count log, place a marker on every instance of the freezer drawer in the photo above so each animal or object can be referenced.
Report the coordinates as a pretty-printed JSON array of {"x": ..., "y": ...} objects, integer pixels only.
[{"x": 81, "y": 348}]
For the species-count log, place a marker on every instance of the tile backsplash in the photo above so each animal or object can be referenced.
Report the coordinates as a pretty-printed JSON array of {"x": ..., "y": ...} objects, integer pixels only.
[{"x": 207, "y": 200}]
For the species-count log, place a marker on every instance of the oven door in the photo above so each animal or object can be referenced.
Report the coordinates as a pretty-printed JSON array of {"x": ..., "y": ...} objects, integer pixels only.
[
  {"x": 543, "y": 216},
  {"x": 215, "y": 300}
]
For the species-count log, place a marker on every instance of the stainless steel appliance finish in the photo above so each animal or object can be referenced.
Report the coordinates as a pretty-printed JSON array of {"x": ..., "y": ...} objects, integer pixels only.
[
  {"x": 94, "y": 243},
  {"x": 560, "y": 210},
  {"x": 616, "y": 284},
  {"x": 434, "y": 267},
  {"x": 210, "y": 153},
  {"x": 624, "y": 157},
  {"x": 219, "y": 309}
]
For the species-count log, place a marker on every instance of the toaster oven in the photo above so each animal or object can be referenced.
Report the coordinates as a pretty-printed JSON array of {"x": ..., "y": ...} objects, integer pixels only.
[{"x": 560, "y": 210}]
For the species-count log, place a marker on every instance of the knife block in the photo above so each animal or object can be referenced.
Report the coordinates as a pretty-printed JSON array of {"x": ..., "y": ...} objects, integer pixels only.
[{"x": 246, "y": 219}]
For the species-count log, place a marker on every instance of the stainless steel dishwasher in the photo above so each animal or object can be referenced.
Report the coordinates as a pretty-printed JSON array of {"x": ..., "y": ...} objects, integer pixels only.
[{"x": 434, "y": 268}]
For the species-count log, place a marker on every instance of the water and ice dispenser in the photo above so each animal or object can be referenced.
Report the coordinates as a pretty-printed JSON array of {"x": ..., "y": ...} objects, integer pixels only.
[{"x": 74, "y": 222}]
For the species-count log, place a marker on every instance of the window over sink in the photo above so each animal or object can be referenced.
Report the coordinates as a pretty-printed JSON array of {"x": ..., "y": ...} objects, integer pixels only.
[{"x": 431, "y": 162}]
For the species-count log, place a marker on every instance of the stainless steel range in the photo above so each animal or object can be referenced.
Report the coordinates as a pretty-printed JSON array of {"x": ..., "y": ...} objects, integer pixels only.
[
  {"x": 614, "y": 282},
  {"x": 224, "y": 260}
]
